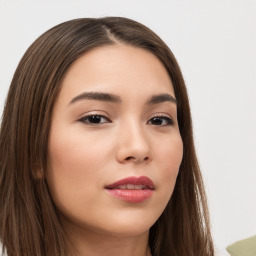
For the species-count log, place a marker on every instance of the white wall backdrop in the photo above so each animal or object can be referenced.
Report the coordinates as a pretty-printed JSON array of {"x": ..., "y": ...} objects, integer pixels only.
[{"x": 215, "y": 44}]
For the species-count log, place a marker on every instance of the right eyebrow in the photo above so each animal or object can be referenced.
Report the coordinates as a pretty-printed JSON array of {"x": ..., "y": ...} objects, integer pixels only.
[
  {"x": 159, "y": 98},
  {"x": 101, "y": 96}
]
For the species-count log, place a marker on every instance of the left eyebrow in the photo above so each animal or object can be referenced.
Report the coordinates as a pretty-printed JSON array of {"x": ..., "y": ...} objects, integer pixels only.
[
  {"x": 160, "y": 98},
  {"x": 100, "y": 96}
]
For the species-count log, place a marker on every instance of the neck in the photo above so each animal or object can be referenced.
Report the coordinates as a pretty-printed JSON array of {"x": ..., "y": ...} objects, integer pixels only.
[{"x": 85, "y": 242}]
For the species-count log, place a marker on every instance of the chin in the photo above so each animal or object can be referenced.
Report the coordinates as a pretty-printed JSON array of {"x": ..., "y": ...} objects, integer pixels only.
[
  {"x": 130, "y": 224},
  {"x": 126, "y": 231}
]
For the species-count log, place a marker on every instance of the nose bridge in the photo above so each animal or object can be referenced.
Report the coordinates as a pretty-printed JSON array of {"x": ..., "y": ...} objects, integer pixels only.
[
  {"x": 134, "y": 144},
  {"x": 136, "y": 135}
]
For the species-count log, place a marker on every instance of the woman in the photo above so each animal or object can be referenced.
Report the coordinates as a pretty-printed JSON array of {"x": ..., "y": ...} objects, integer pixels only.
[{"x": 96, "y": 148}]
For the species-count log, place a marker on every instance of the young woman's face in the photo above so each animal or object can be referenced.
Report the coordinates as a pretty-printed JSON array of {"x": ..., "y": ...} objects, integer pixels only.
[{"x": 115, "y": 147}]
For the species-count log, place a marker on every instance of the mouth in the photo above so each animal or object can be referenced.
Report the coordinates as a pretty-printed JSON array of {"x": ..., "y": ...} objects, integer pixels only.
[{"x": 132, "y": 189}]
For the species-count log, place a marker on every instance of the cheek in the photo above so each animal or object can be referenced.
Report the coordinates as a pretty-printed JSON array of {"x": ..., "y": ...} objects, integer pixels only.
[
  {"x": 72, "y": 166},
  {"x": 73, "y": 174},
  {"x": 170, "y": 157},
  {"x": 77, "y": 152},
  {"x": 75, "y": 161}
]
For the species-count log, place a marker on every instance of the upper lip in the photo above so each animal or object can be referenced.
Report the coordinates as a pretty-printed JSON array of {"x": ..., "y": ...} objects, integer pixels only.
[{"x": 142, "y": 180}]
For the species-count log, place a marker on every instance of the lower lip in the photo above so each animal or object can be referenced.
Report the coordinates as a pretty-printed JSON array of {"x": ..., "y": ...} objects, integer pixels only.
[{"x": 133, "y": 196}]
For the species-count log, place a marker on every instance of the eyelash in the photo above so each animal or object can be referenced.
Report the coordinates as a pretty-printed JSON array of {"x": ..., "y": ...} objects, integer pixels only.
[
  {"x": 86, "y": 119},
  {"x": 168, "y": 120},
  {"x": 98, "y": 118}
]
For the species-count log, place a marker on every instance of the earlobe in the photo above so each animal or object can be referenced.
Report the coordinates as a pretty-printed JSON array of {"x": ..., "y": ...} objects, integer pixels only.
[{"x": 38, "y": 172}]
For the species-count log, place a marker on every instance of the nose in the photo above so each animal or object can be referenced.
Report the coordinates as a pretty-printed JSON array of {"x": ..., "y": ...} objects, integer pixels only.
[{"x": 133, "y": 145}]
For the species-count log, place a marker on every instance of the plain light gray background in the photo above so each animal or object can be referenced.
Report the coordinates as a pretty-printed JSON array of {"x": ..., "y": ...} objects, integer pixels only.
[{"x": 215, "y": 44}]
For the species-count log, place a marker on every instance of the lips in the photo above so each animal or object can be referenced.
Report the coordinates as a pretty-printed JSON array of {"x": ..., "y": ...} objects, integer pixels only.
[
  {"x": 132, "y": 189},
  {"x": 130, "y": 186},
  {"x": 142, "y": 182}
]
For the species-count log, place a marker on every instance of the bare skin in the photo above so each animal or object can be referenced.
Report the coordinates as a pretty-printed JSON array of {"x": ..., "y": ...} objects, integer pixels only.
[
  {"x": 109, "y": 245},
  {"x": 115, "y": 118}
]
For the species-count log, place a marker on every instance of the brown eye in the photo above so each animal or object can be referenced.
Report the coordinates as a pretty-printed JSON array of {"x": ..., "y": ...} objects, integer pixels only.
[
  {"x": 161, "y": 121},
  {"x": 94, "y": 119}
]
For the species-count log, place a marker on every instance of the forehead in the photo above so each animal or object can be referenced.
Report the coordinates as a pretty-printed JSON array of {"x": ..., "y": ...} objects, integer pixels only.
[{"x": 117, "y": 69}]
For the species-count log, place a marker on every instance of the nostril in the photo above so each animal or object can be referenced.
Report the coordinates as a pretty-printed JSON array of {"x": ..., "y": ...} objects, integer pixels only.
[
  {"x": 130, "y": 158},
  {"x": 135, "y": 159}
]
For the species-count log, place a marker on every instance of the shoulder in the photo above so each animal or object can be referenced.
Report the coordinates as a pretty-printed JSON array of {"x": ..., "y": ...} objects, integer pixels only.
[{"x": 246, "y": 247}]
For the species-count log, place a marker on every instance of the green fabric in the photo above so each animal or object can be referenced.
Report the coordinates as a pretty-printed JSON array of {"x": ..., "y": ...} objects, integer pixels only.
[{"x": 246, "y": 247}]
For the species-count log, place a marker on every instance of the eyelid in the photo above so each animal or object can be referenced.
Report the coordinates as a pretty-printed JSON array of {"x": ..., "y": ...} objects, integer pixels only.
[
  {"x": 84, "y": 117},
  {"x": 162, "y": 116}
]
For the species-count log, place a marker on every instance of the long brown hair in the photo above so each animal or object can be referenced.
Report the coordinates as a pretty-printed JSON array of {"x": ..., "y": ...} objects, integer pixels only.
[{"x": 28, "y": 220}]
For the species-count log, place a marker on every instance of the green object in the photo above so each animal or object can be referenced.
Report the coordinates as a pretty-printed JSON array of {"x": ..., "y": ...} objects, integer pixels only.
[{"x": 246, "y": 247}]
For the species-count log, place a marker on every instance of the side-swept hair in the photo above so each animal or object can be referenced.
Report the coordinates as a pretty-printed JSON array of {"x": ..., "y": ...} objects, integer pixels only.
[{"x": 28, "y": 221}]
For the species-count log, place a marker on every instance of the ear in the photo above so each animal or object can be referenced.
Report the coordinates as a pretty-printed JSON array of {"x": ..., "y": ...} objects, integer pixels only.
[{"x": 37, "y": 172}]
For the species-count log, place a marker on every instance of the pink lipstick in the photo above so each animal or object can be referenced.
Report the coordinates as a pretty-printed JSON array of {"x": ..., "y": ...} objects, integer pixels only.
[{"x": 132, "y": 189}]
